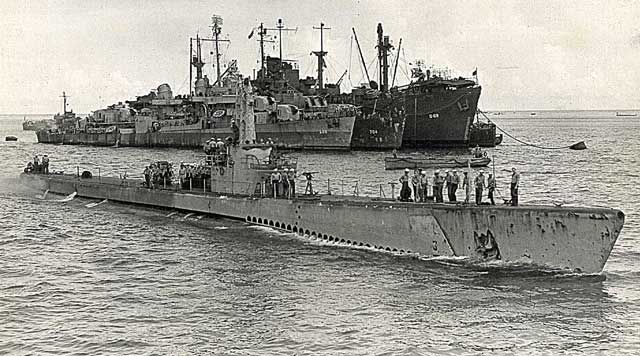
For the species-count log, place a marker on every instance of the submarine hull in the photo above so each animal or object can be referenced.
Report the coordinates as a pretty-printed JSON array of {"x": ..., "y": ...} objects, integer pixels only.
[{"x": 576, "y": 239}]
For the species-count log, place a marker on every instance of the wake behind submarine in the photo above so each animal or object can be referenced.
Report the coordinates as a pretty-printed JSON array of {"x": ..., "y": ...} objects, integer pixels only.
[{"x": 578, "y": 239}]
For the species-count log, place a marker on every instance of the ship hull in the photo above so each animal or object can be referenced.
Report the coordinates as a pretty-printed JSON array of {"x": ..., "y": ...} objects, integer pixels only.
[
  {"x": 329, "y": 134},
  {"x": 439, "y": 119},
  {"x": 577, "y": 239},
  {"x": 377, "y": 134}
]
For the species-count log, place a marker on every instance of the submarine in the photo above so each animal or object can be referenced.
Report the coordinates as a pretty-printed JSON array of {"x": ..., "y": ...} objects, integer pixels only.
[{"x": 577, "y": 239}]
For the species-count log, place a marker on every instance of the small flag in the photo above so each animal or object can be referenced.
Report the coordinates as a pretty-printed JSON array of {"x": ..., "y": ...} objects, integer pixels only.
[
  {"x": 251, "y": 34},
  {"x": 475, "y": 72}
]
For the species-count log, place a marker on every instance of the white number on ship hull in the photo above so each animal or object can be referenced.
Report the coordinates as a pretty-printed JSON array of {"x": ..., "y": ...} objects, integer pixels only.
[
  {"x": 323, "y": 132},
  {"x": 433, "y": 116},
  {"x": 373, "y": 132}
]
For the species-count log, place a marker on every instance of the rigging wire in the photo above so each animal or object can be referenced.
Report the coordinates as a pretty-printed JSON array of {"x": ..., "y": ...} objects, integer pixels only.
[
  {"x": 576, "y": 146},
  {"x": 350, "y": 53}
]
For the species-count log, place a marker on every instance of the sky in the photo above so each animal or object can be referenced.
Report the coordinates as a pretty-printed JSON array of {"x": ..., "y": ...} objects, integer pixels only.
[{"x": 553, "y": 55}]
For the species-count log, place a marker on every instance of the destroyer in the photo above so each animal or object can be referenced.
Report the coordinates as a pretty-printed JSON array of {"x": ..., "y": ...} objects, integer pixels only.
[
  {"x": 578, "y": 239},
  {"x": 161, "y": 119}
]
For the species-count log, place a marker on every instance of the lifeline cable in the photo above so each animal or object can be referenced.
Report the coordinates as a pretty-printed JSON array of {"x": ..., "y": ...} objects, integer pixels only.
[{"x": 576, "y": 146}]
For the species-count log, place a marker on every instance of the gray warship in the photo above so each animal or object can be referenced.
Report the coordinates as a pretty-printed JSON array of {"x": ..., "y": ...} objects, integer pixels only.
[
  {"x": 162, "y": 119},
  {"x": 567, "y": 238}
]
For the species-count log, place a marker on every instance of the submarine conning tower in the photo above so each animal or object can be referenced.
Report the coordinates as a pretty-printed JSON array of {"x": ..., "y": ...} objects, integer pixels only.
[{"x": 247, "y": 165}]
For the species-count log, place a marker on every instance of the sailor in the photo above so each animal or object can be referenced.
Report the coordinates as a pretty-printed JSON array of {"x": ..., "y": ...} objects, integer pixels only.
[
  {"x": 154, "y": 175},
  {"x": 284, "y": 179},
  {"x": 36, "y": 164},
  {"x": 477, "y": 152},
  {"x": 29, "y": 168},
  {"x": 415, "y": 182},
  {"x": 480, "y": 184},
  {"x": 467, "y": 187},
  {"x": 447, "y": 182},
  {"x": 221, "y": 156},
  {"x": 236, "y": 132},
  {"x": 405, "y": 191},
  {"x": 189, "y": 173},
  {"x": 45, "y": 164},
  {"x": 219, "y": 145},
  {"x": 491, "y": 185},
  {"x": 292, "y": 182},
  {"x": 274, "y": 182},
  {"x": 455, "y": 181},
  {"x": 182, "y": 174},
  {"x": 423, "y": 186},
  {"x": 147, "y": 176},
  {"x": 309, "y": 188},
  {"x": 515, "y": 183},
  {"x": 438, "y": 184}
]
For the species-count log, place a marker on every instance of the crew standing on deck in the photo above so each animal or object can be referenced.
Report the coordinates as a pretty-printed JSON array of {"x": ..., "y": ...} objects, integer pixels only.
[
  {"x": 236, "y": 132},
  {"x": 515, "y": 183},
  {"x": 467, "y": 187},
  {"x": 45, "y": 164},
  {"x": 147, "y": 176},
  {"x": 491, "y": 185},
  {"x": 480, "y": 184},
  {"x": 405, "y": 191},
  {"x": 447, "y": 182},
  {"x": 415, "y": 182},
  {"x": 36, "y": 164},
  {"x": 438, "y": 184},
  {"x": 455, "y": 182},
  {"x": 274, "y": 182},
  {"x": 182, "y": 175},
  {"x": 422, "y": 187},
  {"x": 284, "y": 177},
  {"x": 292, "y": 183}
]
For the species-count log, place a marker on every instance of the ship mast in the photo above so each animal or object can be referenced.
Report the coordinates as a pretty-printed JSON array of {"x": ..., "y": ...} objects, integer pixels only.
[
  {"x": 196, "y": 60},
  {"x": 262, "y": 33},
  {"x": 64, "y": 102},
  {"x": 383, "y": 54},
  {"x": 216, "y": 28},
  {"x": 395, "y": 68},
  {"x": 321, "y": 55},
  {"x": 280, "y": 27},
  {"x": 364, "y": 65}
]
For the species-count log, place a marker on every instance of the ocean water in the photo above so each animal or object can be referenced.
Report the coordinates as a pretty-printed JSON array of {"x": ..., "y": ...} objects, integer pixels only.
[{"x": 123, "y": 280}]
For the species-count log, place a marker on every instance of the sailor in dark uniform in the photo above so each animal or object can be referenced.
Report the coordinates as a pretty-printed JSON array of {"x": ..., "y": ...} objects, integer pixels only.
[{"x": 405, "y": 191}]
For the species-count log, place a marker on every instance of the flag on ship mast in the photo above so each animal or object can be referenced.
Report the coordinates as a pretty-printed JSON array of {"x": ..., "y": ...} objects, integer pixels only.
[{"x": 251, "y": 34}]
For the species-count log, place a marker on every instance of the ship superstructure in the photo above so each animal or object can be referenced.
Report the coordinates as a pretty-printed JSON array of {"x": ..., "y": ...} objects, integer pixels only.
[{"x": 160, "y": 119}]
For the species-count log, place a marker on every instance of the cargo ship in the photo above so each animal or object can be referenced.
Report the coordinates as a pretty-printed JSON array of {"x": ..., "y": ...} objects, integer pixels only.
[
  {"x": 575, "y": 239},
  {"x": 437, "y": 111},
  {"x": 161, "y": 119}
]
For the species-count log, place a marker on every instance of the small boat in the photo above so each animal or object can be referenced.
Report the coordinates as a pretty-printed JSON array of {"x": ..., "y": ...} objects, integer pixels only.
[
  {"x": 625, "y": 114},
  {"x": 11, "y": 138},
  {"x": 391, "y": 163}
]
